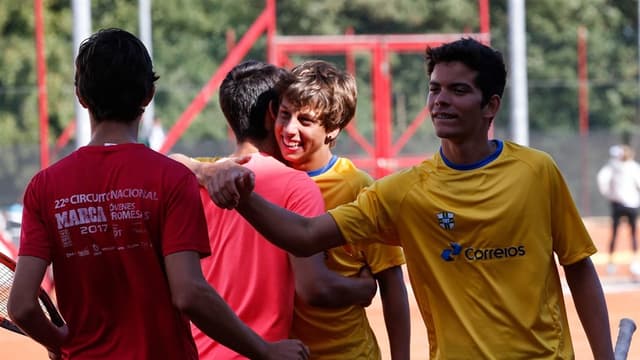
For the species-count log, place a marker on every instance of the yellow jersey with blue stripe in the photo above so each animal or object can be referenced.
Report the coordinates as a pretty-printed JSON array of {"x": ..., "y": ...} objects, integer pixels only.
[
  {"x": 481, "y": 244},
  {"x": 343, "y": 333}
]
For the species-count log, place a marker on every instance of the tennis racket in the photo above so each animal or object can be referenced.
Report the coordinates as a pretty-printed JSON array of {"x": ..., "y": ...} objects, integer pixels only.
[
  {"x": 7, "y": 269},
  {"x": 625, "y": 332}
]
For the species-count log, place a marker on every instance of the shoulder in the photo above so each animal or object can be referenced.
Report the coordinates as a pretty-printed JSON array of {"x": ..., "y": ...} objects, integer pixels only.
[
  {"x": 533, "y": 158},
  {"x": 207, "y": 159},
  {"x": 268, "y": 168},
  {"x": 351, "y": 173},
  {"x": 395, "y": 187},
  {"x": 525, "y": 152}
]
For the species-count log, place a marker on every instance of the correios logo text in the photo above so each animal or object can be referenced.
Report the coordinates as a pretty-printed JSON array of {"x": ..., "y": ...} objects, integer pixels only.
[{"x": 481, "y": 254}]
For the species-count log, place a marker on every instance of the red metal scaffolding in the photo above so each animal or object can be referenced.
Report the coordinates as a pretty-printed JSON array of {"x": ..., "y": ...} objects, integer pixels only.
[{"x": 383, "y": 153}]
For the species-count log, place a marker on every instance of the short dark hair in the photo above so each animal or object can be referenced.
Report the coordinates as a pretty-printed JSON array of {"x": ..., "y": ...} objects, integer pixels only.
[
  {"x": 114, "y": 75},
  {"x": 245, "y": 95},
  {"x": 488, "y": 62}
]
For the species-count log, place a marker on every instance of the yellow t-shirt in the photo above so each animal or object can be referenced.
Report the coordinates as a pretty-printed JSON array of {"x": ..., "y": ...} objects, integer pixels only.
[
  {"x": 343, "y": 333},
  {"x": 480, "y": 244}
]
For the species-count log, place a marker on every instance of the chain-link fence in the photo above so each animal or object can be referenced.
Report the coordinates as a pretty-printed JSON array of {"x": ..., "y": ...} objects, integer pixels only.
[{"x": 578, "y": 158}]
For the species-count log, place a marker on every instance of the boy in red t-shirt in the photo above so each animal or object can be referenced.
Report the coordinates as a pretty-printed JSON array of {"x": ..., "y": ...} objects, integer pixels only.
[{"x": 124, "y": 230}]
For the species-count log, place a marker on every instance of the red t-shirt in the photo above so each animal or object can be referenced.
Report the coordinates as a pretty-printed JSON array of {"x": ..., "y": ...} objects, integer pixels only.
[
  {"x": 106, "y": 216},
  {"x": 253, "y": 276}
]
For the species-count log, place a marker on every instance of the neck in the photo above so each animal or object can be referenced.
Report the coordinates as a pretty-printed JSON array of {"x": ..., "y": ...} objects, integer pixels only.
[
  {"x": 245, "y": 148},
  {"x": 114, "y": 132},
  {"x": 317, "y": 161},
  {"x": 467, "y": 153}
]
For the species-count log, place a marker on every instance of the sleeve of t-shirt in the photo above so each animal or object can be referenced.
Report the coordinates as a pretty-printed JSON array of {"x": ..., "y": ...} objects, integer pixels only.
[
  {"x": 34, "y": 239},
  {"x": 571, "y": 241},
  {"x": 379, "y": 256},
  {"x": 185, "y": 227},
  {"x": 369, "y": 218}
]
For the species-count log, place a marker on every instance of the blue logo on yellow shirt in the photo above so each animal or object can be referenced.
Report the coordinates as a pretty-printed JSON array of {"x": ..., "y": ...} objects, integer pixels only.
[
  {"x": 450, "y": 253},
  {"x": 482, "y": 254},
  {"x": 446, "y": 220}
]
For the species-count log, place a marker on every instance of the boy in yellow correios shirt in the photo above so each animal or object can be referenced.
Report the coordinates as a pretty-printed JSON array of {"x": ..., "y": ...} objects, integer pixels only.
[{"x": 316, "y": 104}]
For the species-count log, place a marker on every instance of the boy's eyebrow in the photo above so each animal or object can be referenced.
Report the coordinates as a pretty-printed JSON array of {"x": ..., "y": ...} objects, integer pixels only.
[
  {"x": 455, "y": 84},
  {"x": 283, "y": 105}
]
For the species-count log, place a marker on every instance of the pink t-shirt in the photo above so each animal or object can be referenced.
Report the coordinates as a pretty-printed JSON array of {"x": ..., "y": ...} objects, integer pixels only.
[
  {"x": 253, "y": 276},
  {"x": 106, "y": 216}
]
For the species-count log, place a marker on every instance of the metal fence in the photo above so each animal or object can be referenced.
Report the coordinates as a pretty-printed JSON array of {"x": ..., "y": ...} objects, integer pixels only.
[{"x": 579, "y": 160}]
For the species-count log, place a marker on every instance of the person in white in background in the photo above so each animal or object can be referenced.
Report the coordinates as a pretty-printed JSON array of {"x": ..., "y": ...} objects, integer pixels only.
[
  {"x": 619, "y": 182},
  {"x": 156, "y": 135}
]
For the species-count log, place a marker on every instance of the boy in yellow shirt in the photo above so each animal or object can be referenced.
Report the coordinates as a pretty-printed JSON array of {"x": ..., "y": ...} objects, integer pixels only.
[
  {"x": 482, "y": 223},
  {"x": 316, "y": 104}
]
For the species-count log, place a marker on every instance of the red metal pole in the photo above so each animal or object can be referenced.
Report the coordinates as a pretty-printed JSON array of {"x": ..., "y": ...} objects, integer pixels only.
[
  {"x": 349, "y": 58},
  {"x": 64, "y": 137},
  {"x": 382, "y": 111},
  {"x": 41, "y": 68},
  {"x": 271, "y": 30},
  {"x": 233, "y": 58},
  {"x": 583, "y": 82},
  {"x": 483, "y": 8},
  {"x": 406, "y": 136}
]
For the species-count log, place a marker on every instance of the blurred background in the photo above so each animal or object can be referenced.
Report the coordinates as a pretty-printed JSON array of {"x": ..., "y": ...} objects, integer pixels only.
[{"x": 581, "y": 75}]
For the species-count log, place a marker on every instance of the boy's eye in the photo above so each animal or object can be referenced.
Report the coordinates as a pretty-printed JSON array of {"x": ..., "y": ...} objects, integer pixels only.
[
  {"x": 284, "y": 114},
  {"x": 460, "y": 90}
]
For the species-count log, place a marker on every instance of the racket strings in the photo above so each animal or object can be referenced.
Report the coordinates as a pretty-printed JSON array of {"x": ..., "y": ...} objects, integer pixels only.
[{"x": 6, "y": 279}]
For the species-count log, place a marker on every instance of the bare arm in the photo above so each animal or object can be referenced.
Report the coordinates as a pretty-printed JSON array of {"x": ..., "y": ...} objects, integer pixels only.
[
  {"x": 194, "y": 165},
  {"x": 231, "y": 186},
  {"x": 318, "y": 286},
  {"x": 205, "y": 170},
  {"x": 591, "y": 306},
  {"x": 296, "y": 234},
  {"x": 395, "y": 305},
  {"x": 208, "y": 311},
  {"x": 25, "y": 310}
]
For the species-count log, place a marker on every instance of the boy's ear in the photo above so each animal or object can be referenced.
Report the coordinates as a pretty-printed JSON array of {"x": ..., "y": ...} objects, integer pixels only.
[
  {"x": 273, "y": 111},
  {"x": 80, "y": 99},
  {"x": 147, "y": 100},
  {"x": 491, "y": 109},
  {"x": 270, "y": 117},
  {"x": 331, "y": 136}
]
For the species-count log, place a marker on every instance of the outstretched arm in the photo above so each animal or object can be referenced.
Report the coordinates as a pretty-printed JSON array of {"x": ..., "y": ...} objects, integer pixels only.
[
  {"x": 231, "y": 186},
  {"x": 318, "y": 286},
  {"x": 204, "y": 170},
  {"x": 208, "y": 311},
  {"x": 296, "y": 234},
  {"x": 395, "y": 306},
  {"x": 591, "y": 306},
  {"x": 25, "y": 310},
  {"x": 191, "y": 163}
]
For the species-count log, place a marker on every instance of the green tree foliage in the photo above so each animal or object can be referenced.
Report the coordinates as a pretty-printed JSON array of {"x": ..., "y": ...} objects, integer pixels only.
[{"x": 190, "y": 42}]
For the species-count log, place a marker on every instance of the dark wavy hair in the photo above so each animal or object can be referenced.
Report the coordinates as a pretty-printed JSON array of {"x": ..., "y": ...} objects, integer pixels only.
[
  {"x": 114, "y": 75},
  {"x": 489, "y": 63}
]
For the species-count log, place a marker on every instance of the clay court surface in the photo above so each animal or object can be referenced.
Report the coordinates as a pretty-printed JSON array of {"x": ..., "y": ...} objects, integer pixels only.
[{"x": 622, "y": 292}]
